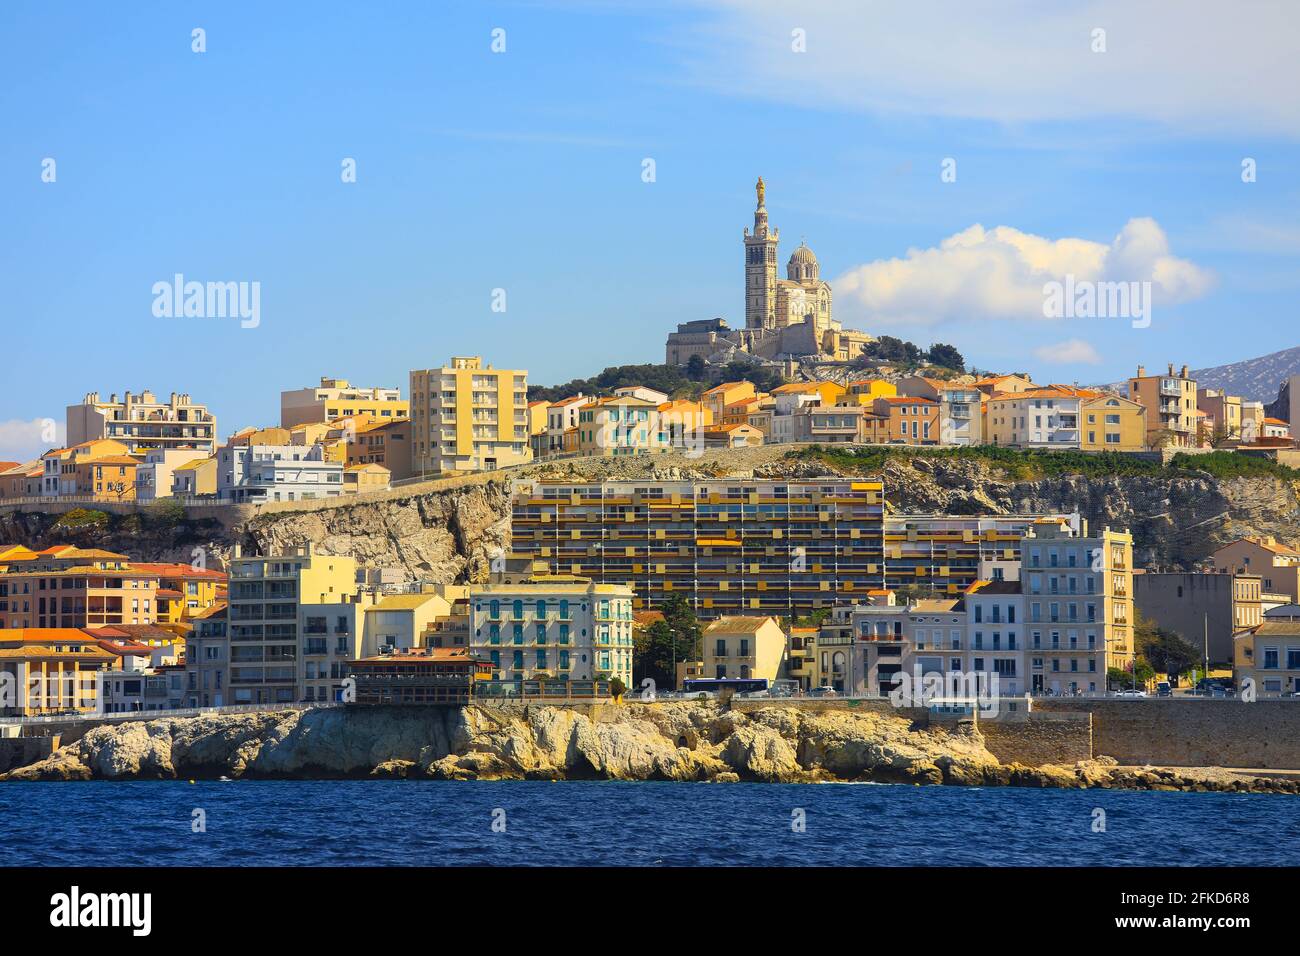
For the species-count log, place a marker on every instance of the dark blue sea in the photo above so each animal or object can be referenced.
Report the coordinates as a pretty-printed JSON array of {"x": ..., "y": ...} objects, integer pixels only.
[{"x": 349, "y": 823}]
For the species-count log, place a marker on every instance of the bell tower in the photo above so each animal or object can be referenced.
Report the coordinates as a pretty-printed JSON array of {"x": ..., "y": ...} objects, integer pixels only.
[{"x": 760, "y": 268}]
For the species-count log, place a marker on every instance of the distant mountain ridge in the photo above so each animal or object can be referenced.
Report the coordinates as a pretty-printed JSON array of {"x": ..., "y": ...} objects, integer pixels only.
[
  {"x": 1256, "y": 379},
  {"x": 1261, "y": 379}
]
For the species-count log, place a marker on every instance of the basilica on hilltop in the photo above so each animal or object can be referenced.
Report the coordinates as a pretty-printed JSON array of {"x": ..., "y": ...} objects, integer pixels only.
[{"x": 785, "y": 319}]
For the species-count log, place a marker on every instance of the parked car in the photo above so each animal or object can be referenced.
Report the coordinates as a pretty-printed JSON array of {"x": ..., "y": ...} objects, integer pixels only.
[
  {"x": 823, "y": 691},
  {"x": 1130, "y": 692},
  {"x": 1164, "y": 689}
]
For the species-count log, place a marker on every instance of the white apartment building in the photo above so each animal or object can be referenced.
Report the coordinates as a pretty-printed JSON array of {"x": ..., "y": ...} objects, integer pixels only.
[
  {"x": 141, "y": 422},
  {"x": 259, "y": 473},
  {"x": 273, "y": 602},
  {"x": 155, "y": 477},
  {"x": 560, "y": 417},
  {"x": 1078, "y": 616}
]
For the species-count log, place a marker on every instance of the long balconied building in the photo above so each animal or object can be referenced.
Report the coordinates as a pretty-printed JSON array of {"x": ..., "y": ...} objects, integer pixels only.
[{"x": 733, "y": 546}]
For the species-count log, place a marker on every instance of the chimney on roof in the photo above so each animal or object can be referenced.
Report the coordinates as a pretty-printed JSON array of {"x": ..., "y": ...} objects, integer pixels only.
[
  {"x": 1171, "y": 368},
  {"x": 1142, "y": 371},
  {"x": 1184, "y": 371}
]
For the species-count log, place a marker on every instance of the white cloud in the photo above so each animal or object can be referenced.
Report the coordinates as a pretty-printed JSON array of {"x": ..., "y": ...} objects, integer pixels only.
[
  {"x": 1069, "y": 352},
  {"x": 22, "y": 441},
  {"x": 999, "y": 273},
  {"x": 1195, "y": 65}
]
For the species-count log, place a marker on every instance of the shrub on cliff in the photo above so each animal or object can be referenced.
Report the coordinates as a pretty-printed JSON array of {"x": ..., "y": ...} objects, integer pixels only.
[{"x": 79, "y": 519}]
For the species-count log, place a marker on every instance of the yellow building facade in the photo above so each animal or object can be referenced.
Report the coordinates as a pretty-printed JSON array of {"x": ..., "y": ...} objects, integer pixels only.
[{"x": 467, "y": 417}]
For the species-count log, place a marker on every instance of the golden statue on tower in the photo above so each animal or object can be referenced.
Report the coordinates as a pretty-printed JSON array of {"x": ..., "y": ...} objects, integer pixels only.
[{"x": 760, "y": 189}]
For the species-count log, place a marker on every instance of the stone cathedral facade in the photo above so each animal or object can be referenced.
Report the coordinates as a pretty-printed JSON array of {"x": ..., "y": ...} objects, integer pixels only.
[{"x": 784, "y": 318}]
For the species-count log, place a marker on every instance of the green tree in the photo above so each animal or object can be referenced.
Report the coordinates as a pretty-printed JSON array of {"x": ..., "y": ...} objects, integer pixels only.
[
  {"x": 695, "y": 368},
  {"x": 946, "y": 356}
]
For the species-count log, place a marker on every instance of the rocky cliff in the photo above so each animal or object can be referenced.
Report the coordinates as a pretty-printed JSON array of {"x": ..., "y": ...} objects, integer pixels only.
[
  {"x": 446, "y": 531},
  {"x": 683, "y": 741}
]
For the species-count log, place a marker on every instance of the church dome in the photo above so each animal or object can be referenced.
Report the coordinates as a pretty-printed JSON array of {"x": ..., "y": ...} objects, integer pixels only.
[{"x": 802, "y": 264}]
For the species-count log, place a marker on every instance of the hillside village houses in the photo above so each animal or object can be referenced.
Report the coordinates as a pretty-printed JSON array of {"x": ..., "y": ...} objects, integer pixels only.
[{"x": 337, "y": 438}]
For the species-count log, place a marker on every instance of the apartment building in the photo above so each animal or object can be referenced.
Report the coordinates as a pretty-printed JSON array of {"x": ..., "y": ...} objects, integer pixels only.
[
  {"x": 1223, "y": 414},
  {"x": 402, "y": 622},
  {"x": 1204, "y": 609},
  {"x": 911, "y": 420},
  {"x": 337, "y": 398},
  {"x": 23, "y": 480},
  {"x": 561, "y": 417},
  {"x": 565, "y": 627},
  {"x": 184, "y": 591},
  {"x": 197, "y": 477},
  {"x": 858, "y": 649},
  {"x": 740, "y": 546},
  {"x": 993, "y": 641},
  {"x": 387, "y": 444},
  {"x": 273, "y": 603},
  {"x": 1269, "y": 653},
  {"x": 141, "y": 422},
  {"x": 960, "y": 419},
  {"x": 1112, "y": 423},
  {"x": 468, "y": 417},
  {"x": 1046, "y": 417},
  {"x": 254, "y": 474},
  {"x": 1078, "y": 592},
  {"x": 62, "y": 468},
  {"x": 744, "y": 647},
  {"x": 1277, "y": 564},
  {"x": 865, "y": 391},
  {"x": 155, "y": 476},
  {"x": 1170, "y": 404},
  {"x": 51, "y": 671},
  {"x": 619, "y": 425},
  {"x": 719, "y": 398},
  {"x": 73, "y": 587},
  {"x": 207, "y": 658},
  {"x": 683, "y": 424}
]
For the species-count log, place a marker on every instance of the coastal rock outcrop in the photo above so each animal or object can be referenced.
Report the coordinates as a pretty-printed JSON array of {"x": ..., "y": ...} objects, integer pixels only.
[{"x": 680, "y": 741}]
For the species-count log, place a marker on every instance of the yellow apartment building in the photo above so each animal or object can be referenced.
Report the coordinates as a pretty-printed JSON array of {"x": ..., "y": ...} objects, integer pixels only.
[
  {"x": 1223, "y": 414},
  {"x": 74, "y": 587},
  {"x": 1112, "y": 423},
  {"x": 468, "y": 417},
  {"x": 717, "y": 399},
  {"x": 830, "y": 393},
  {"x": 1269, "y": 655},
  {"x": 50, "y": 670},
  {"x": 1170, "y": 404},
  {"x": 865, "y": 391},
  {"x": 198, "y": 477},
  {"x": 682, "y": 423},
  {"x": 748, "y": 648},
  {"x": 620, "y": 425},
  {"x": 1277, "y": 564},
  {"x": 337, "y": 398},
  {"x": 382, "y": 443}
]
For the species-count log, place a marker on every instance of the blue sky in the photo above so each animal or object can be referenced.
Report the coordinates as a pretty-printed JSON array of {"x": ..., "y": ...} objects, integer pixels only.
[{"x": 523, "y": 171}]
